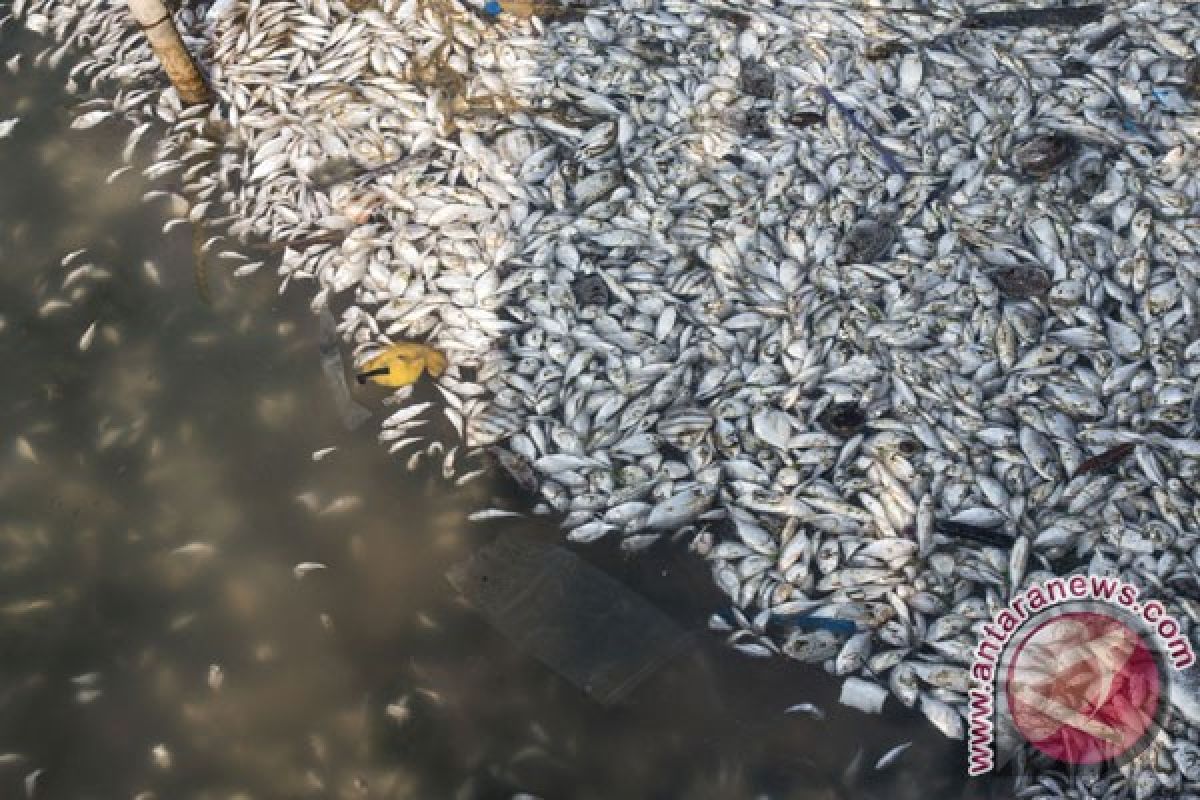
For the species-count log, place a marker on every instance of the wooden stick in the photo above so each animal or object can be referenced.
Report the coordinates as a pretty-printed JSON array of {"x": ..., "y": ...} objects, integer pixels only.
[{"x": 156, "y": 21}]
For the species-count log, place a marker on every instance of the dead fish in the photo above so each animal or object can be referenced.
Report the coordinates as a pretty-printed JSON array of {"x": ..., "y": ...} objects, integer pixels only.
[
  {"x": 87, "y": 696},
  {"x": 680, "y": 508},
  {"x": 843, "y": 419},
  {"x": 889, "y": 758},
  {"x": 161, "y": 756},
  {"x": 342, "y": 504},
  {"x": 399, "y": 711},
  {"x": 305, "y": 567},
  {"x": 195, "y": 549},
  {"x": 812, "y": 646},
  {"x": 309, "y": 500},
  {"x": 51, "y": 306},
  {"x": 85, "y": 341},
  {"x": 492, "y": 513},
  {"x": 808, "y": 709},
  {"x": 517, "y": 468},
  {"x": 31, "y": 781},
  {"x": 25, "y": 450},
  {"x": 320, "y": 454}
]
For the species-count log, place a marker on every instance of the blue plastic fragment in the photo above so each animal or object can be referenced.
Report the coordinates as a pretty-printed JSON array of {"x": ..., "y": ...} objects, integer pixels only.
[
  {"x": 831, "y": 624},
  {"x": 491, "y": 8},
  {"x": 809, "y": 622},
  {"x": 1170, "y": 99}
]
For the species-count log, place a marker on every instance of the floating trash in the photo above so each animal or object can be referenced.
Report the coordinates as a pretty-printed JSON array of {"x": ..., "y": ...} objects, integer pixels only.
[
  {"x": 1021, "y": 281},
  {"x": 863, "y": 695},
  {"x": 843, "y": 419},
  {"x": 884, "y": 50},
  {"x": 806, "y": 119},
  {"x": 334, "y": 367},
  {"x": 590, "y": 290},
  {"x": 757, "y": 80},
  {"x": 1042, "y": 154},
  {"x": 867, "y": 242},
  {"x": 602, "y": 637},
  {"x": 401, "y": 364},
  {"x": 1074, "y": 16}
]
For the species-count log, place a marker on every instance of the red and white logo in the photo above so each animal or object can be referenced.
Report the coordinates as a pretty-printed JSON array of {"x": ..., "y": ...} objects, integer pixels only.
[
  {"x": 1077, "y": 666},
  {"x": 1083, "y": 687}
]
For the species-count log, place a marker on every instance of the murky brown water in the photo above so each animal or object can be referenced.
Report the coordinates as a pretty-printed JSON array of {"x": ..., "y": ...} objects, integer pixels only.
[{"x": 154, "y": 499}]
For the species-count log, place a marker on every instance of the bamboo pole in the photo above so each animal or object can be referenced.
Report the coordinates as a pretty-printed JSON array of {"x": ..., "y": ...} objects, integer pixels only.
[{"x": 159, "y": 26}]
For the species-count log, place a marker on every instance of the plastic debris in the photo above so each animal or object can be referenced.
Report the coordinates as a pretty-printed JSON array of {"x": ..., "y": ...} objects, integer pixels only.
[
  {"x": 1021, "y": 281},
  {"x": 593, "y": 631},
  {"x": 1171, "y": 99},
  {"x": 757, "y": 80},
  {"x": 1034, "y": 17},
  {"x": 863, "y": 695},
  {"x": 492, "y": 8},
  {"x": 867, "y": 242},
  {"x": 1041, "y": 154},
  {"x": 993, "y": 537},
  {"x": 809, "y": 622},
  {"x": 334, "y": 367},
  {"x": 590, "y": 290},
  {"x": 843, "y": 419},
  {"x": 401, "y": 364},
  {"x": 1106, "y": 460}
]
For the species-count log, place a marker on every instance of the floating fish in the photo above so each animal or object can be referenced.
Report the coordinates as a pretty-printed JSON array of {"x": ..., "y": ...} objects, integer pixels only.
[
  {"x": 85, "y": 341},
  {"x": 305, "y": 567}
]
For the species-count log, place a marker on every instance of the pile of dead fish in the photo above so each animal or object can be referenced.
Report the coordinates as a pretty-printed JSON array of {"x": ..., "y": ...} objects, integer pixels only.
[{"x": 888, "y": 314}]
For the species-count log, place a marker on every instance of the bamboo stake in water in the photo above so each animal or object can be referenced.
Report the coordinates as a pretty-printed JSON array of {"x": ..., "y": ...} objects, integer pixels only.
[{"x": 156, "y": 20}]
